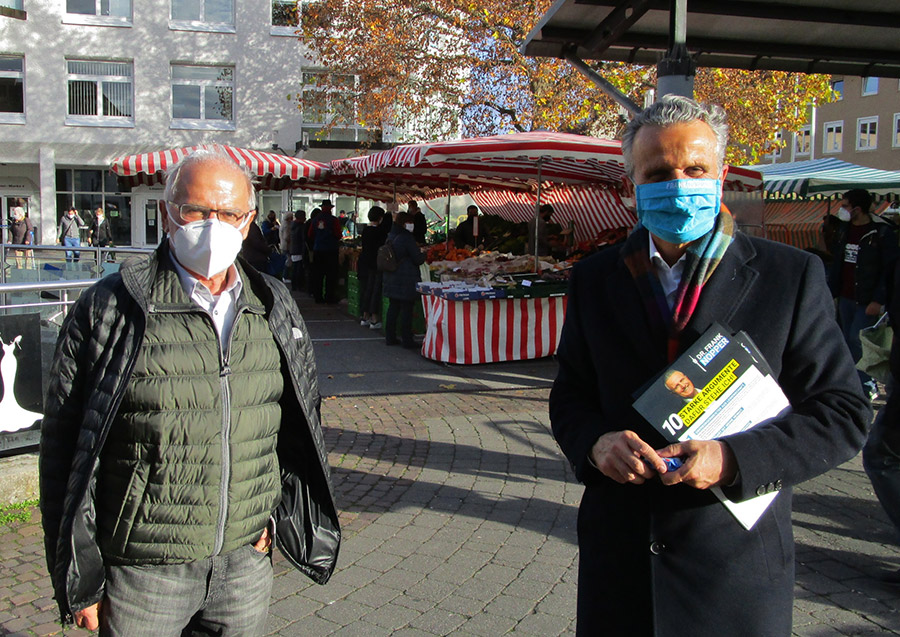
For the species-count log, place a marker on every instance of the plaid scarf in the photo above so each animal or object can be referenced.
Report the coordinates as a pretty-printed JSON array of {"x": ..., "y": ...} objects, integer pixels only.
[{"x": 703, "y": 255}]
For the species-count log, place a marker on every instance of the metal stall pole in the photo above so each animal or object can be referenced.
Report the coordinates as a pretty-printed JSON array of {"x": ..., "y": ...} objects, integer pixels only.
[
  {"x": 447, "y": 215},
  {"x": 537, "y": 219}
]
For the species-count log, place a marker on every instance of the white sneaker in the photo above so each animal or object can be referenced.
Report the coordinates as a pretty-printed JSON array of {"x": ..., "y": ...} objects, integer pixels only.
[
  {"x": 364, "y": 323},
  {"x": 375, "y": 326}
]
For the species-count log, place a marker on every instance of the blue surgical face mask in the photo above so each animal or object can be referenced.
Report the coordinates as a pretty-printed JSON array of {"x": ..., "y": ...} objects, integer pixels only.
[{"x": 681, "y": 210}]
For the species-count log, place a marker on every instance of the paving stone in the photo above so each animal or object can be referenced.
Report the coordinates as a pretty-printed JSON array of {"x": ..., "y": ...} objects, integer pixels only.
[
  {"x": 541, "y": 624},
  {"x": 438, "y": 621},
  {"x": 464, "y": 523}
]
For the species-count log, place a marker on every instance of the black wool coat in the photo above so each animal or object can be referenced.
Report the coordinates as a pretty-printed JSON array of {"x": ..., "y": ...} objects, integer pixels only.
[
  {"x": 401, "y": 284},
  {"x": 672, "y": 561}
]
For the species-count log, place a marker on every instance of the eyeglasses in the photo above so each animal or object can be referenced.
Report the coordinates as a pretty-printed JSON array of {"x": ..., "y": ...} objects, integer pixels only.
[{"x": 192, "y": 212}]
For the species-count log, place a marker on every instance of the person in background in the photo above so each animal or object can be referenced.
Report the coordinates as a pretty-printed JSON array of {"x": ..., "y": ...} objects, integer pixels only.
[
  {"x": 181, "y": 430},
  {"x": 470, "y": 233},
  {"x": 22, "y": 232},
  {"x": 370, "y": 278},
  {"x": 69, "y": 233},
  {"x": 270, "y": 229},
  {"x": 420, "y": 224},
  {"x": 298, "y": 250},
  {"x": 865, "y": 249},
  {"x": 325, "y": 232},
  {"x": 255, "y": 249},
  {"x": 284, "y": 231},
  {"x": 400, "y": 286},
  {"x": 881, "y": 455},
  {"x": 545, "y": 213},
  {"x": 101, "y": 234},
  {"x": 659, "y": 554}
]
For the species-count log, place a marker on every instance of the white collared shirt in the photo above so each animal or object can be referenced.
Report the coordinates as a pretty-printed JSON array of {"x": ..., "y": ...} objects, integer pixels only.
[
  {"x": 221, "y": 308},
  {"x": 669, "y": 277}
]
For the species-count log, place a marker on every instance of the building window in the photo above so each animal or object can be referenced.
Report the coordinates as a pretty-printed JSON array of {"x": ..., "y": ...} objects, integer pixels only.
[
  {"x": 867, "y": 133},
  {"x": 12, "y": 89},
  {"x": 837, "y": 87},
  {"x": 802, "y": 141},
  {"x": 203, "y": 97},
  {"x": 88, "y": 188},
  {"x": 331, "y": 98},
  {"x": 285, "y": 17},
  {"x": 895, "y": 142},
  {"x": 202, "y": 15},
  {"x": 13, "y": 9},
  {"x": 870, "y": 86},
  {"x": 100, "y": 93},
  {"x": 833, "y": 137},
  {"x": 100, "y": 12}
]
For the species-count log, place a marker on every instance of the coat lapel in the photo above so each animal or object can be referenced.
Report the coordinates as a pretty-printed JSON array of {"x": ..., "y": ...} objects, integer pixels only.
[
  {"x": 631, "y": 317},
  {"x": 725, "y": 291}
]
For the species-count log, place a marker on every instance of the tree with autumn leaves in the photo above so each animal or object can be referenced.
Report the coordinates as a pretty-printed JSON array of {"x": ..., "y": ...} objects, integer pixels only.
[{"x": 443, "y": 68}]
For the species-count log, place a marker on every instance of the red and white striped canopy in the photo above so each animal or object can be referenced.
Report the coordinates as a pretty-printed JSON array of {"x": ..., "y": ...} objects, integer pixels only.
[
  {"x": 274, "y": 172},
  {"x": 592, "y": 209},
  {"x": 515, "y": 161}
]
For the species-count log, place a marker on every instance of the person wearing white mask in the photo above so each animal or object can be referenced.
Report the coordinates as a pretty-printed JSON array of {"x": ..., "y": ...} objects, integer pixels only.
[
  {"x": 864, "y": 250},
  {"x": 189, "y": 381}
]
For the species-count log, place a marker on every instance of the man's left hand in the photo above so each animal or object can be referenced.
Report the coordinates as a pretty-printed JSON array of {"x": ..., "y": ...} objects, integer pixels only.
[
  {"x": 707, "y": 463},
  {"x": 874, "y": 309},
  {"x": 264, "y": 543}
]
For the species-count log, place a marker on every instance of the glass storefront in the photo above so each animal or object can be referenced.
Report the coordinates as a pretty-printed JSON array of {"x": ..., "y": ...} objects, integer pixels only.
[{"x": 87, "y": 189}]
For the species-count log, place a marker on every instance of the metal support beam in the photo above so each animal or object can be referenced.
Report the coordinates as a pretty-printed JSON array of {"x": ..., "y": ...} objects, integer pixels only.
[
  {"x": 600, "y": 82},
  {"x": 675, "y": 72}
]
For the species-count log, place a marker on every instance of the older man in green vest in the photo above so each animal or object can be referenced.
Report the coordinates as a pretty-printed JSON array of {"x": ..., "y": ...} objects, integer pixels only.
[{"x": 182, "y": 432}]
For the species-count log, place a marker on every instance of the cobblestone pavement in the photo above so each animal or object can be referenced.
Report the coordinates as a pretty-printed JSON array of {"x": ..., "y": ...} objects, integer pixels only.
[
  {"x": 459, "y": 518},
  {"x": 459, "y": 512}
]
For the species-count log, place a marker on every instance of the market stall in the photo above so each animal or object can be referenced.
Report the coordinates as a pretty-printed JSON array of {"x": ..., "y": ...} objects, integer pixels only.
[
  {"x": 474, "y": 313},
  {"x": 799, "y": 195},
  {"x": 492, "y": 330},
  {"x": 272, "y": 171}
]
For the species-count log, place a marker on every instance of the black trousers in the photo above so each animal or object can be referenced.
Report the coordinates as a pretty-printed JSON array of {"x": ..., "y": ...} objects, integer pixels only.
[
  {"x": 324, "y": 270},
  {"x": 403, "y": 310}
]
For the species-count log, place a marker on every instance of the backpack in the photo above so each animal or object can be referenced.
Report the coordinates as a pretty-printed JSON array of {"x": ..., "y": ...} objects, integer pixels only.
[{"x": 385, "y": 259}]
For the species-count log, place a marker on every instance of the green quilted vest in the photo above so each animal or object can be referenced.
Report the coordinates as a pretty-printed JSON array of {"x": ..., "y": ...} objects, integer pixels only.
[{"x": 189, "y": 469}]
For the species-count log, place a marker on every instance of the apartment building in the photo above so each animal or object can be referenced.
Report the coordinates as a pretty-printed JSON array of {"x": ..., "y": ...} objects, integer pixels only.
[
  {"x": 85, "y": 81},
  {"x": 862, "y": 127}
]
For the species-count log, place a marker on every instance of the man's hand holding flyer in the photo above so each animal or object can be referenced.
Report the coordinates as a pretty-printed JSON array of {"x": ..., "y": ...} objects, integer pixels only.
[{"x": 720, "y": 386}]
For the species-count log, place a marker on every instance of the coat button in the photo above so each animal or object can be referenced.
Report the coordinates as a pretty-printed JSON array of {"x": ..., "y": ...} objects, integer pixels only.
[
  {"x": 761, "y": 490},
  {"x": 657, "y": 547}
]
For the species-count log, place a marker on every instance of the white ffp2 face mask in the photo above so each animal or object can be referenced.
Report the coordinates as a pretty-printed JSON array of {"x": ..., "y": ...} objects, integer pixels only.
[
  {"x": 206, "y": 247},
  {"x": 843, "y": 214}
]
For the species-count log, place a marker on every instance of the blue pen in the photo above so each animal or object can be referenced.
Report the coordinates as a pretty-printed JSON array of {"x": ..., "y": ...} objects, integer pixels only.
[{"x": 672, "y": 463}]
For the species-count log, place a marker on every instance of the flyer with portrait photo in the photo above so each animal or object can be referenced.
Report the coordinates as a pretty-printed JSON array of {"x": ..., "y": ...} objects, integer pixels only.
[{"x": 722, "y": 385}]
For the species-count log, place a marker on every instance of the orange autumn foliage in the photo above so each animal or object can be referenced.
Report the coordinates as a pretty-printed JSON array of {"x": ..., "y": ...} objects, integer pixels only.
[{"x": 441, "y": 69}]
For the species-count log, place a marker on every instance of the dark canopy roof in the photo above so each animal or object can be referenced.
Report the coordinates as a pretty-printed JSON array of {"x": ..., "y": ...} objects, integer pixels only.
[{"x": 841, "y": 37}]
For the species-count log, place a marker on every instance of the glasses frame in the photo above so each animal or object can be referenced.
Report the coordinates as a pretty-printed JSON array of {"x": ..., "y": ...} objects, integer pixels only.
[{"x": 209, "y": 211}]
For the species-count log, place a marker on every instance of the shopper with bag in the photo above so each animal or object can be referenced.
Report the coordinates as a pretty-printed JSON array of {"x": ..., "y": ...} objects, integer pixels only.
[{"x": 400, "y": 285}]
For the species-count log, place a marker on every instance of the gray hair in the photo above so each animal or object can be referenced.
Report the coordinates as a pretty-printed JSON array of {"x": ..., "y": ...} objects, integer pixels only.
[
  {"x": 202, "y": 155},
  {"x": 675, "y": 109}
]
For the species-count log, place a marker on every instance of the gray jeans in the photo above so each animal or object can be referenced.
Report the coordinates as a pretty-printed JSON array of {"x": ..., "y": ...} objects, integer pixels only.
[{"x": 226, "y": 595}]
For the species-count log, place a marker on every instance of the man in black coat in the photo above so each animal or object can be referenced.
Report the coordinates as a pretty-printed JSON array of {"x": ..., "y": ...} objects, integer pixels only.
[
  {"x": 470, "y": 232},
  {"x": 864, "y": 251},
  {"x": 659, "y": 554}
]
